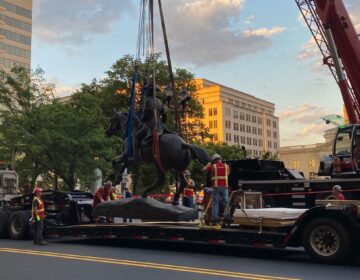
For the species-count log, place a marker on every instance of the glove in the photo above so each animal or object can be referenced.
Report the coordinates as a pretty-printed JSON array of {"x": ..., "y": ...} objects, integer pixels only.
[
  {"x": 114, "y": 196},
  {"x": 38, "y": 218}
]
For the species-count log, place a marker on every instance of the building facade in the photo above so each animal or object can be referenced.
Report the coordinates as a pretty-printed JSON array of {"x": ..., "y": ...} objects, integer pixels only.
[
  {"x": 238, "y": 118},
  {"x": 306, "y": 158},
  {"x": 15, "y": 33}
]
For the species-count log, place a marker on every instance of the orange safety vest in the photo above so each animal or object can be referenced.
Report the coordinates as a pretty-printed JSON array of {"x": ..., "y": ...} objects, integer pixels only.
[
  {"x": 219, "y": 175},
  {"x": 40, "y": 208},
  {"x": 188, "y": 192}
]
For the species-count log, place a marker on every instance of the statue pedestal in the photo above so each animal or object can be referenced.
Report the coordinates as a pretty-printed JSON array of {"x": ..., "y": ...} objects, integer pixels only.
[{"x": 145, "y": 209}]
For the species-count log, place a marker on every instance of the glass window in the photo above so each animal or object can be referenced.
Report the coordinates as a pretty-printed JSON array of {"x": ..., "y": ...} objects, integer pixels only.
[
  {"x": 253, "y": 119},
  {"x": 242, "y": 116},
  {"x": 215, "y": 111},
  {"x": 215, "y": 123},
  {"x": 274, "y": 124},
  {"x": 259, "y": 120},
  {"x": 210, "y": 112},
  {"x": 236, "y": 114},
  {"x": 296, "y": 164},
  {"x": 248, "y": 117},
  {"x": 227, "y": 112}
]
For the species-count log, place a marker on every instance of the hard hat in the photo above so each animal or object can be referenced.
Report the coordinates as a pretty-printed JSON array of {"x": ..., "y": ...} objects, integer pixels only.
[
  {"x": 337, "y": 188},
  {"x": 187, "y": 173},
  {"x": 37, "y": 190},
  {"x": 108, "y": 184},
  {"x": 215, "y": 156}
]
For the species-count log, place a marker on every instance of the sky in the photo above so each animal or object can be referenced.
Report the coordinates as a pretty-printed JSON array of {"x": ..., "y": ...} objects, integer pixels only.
[{"x": 260, "y": 47}]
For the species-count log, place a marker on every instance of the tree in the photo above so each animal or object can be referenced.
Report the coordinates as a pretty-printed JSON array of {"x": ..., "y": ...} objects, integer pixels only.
[
  {"x": 22, "y": 93},
  {"x": 55, "y": 140}
]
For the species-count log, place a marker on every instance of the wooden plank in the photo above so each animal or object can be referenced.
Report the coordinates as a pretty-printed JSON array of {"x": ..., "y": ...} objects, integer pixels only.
[
  {"x": 337, "y": 202},
  {"x": 262, "y": 222}
]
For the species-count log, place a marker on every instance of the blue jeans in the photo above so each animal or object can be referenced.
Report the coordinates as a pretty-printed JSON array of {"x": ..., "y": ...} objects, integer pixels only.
[
  {"x": 188, "y": 201},
  {"x": 216, "y": 193}
]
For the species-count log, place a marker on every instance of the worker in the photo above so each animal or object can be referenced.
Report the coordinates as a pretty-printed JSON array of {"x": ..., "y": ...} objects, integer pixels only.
[
  {"x": 337, "y": 192},
  {"x": 37, "y": 216},
  {"x": 219, "y": 172},
  {"x": 104, "y": 193},
  {"x": 188, "y": 193}
]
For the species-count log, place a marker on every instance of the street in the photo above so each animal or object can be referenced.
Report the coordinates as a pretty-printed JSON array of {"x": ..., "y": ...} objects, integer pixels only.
[{"x": 137, "y": 259}]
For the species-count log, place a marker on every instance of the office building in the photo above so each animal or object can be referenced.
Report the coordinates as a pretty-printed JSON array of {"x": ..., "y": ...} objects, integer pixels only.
[
  {"x": 238, "y": 118},
  {"x": 15, "y": 33}
]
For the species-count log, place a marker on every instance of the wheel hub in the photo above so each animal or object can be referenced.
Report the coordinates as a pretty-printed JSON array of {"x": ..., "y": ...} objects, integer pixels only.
[{"x": 325, "y": 241}]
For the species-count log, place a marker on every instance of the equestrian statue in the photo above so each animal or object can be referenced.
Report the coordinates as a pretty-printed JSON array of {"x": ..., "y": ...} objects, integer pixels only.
[{"x": 153, "y": 143}]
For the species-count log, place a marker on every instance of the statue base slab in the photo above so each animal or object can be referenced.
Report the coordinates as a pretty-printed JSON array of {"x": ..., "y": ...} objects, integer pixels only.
[{"x": 145, "y": 209}]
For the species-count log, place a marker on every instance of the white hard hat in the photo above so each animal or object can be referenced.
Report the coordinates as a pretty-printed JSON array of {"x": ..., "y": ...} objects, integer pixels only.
[
  {"x": 337, "y": 188},
  {"x": 215, "y": 156},
  {"x": 187, "y": 173}
]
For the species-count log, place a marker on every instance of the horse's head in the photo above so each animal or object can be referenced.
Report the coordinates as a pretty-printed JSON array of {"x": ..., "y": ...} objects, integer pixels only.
[{"x": 116, "y": 124}]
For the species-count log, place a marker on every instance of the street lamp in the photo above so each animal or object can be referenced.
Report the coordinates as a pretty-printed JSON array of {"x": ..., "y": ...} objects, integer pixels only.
[{"x": 184, "y": 98}]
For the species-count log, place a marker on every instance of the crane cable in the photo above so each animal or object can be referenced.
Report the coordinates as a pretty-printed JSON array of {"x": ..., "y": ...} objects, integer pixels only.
[{"x": 145, "y": 46}]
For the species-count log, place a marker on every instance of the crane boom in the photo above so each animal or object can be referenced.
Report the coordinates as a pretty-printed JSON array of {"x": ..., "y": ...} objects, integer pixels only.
[{"x": 335, "y": 35}]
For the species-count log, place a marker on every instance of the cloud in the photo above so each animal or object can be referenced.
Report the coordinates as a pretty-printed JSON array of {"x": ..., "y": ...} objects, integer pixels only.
[
  {"x": 206, "y": 32},
  {"x": 64, "y": 90},
  {"x": 309, "y": 50},
  {"x": 313, "y": 128},
  {"x": 303, "y": 113},
  {"x": 73, "y": 23}
]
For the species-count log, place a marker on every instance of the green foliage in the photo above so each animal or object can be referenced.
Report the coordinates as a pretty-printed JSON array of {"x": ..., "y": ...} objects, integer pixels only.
[{"x": 62, "y": 142}]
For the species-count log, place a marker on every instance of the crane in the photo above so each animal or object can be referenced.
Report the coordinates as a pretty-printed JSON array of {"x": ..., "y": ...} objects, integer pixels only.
[{"x": 339, "y": 44}]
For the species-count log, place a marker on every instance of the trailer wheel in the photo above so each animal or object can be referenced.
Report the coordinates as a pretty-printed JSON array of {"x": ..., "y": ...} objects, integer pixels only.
[
  {"x": 19, "y": 225},
  {"x": 327, "y": 241},
  {"x": 4, "y": 218}
]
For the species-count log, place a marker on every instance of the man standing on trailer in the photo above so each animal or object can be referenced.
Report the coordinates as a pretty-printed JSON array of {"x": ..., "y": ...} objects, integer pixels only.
[
  {"x": 38, "y": 215},
  {"x": 219, "y": 172},
  {"x": 188, "y": 193}
]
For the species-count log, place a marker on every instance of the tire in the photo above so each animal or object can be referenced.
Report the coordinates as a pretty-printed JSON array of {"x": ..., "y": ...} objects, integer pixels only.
[
  {"x": 19, "y": 225},
  {"x": 4, "y": 218},
  {"x": 327, "y": 241}
]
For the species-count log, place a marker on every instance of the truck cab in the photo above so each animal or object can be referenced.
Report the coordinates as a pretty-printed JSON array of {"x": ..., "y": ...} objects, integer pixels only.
[
  {"x": 346, "y": 152},
  {"x": 9, "y": 184}
]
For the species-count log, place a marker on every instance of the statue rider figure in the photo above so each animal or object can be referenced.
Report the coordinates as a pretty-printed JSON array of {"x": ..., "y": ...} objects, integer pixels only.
[{"x": 149, "y": 121}]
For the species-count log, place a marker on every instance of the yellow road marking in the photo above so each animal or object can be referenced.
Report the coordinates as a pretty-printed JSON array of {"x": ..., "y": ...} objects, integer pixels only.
[{"x": 196, "y": 270}]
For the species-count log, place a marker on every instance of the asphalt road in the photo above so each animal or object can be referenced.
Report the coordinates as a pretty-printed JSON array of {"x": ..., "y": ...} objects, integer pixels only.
[{"x": 97, "y": 259}]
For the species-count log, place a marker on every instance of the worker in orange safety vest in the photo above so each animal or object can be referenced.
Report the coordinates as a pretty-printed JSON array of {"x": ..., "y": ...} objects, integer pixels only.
[
  {"x": 219, "y": 172},
  {"x": 188, "y": 193},
  {"x": 38, "y": 215}
]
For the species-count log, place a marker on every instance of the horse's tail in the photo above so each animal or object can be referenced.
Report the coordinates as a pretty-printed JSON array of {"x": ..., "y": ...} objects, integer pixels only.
[{"x": 198, "y": 153}]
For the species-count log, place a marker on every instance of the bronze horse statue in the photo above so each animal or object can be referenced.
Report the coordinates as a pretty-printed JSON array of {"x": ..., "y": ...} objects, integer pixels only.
[{"x": 175, "y": 153}]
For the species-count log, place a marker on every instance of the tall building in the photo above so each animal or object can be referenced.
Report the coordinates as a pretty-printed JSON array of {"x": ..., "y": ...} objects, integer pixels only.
[
  {"x": 238, "y": 118},
  {"x": 15, "y": 33}
]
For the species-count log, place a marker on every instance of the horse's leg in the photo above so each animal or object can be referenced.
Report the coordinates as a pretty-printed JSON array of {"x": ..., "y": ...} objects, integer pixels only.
[
  {"x": 179, "y": 190},
  {"x": 119, "y": 160},
  {"x": 159, "y": 181}
]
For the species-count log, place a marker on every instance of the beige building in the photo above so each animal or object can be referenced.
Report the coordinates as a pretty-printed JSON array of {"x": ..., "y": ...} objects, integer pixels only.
[
  {"x": 15, "y": 33},
  {"x": 238, "y": 118},
  {"x": 306, "y": 158}
]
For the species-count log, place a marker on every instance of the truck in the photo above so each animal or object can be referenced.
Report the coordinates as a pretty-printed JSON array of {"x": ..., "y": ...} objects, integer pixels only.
[
  {"x": 284, "y": 187},
  {"x": 329, "y": 231},
  {"x": 9, "y": 184}
]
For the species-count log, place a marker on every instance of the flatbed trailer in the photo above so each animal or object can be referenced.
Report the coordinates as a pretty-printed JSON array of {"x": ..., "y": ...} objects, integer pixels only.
[{"x": 329, "y": 233}]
